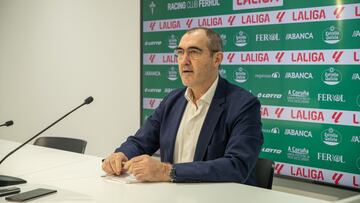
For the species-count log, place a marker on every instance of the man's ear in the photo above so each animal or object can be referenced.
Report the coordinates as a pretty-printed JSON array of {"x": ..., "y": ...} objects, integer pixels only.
[{"x": 218, "y": 58}]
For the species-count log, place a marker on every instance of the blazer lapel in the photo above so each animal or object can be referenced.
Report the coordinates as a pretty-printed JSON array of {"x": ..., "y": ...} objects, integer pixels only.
[{"x": 211, "y": 119}]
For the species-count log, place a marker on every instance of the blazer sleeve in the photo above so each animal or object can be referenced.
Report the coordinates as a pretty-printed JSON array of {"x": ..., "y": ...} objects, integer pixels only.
[
  {"x": 240, "y": 156},
  {"x": 146, "y": 139}
]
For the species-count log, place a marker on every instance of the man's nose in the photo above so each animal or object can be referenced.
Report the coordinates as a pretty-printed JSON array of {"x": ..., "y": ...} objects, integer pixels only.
[{"x": 186, "y": 58}]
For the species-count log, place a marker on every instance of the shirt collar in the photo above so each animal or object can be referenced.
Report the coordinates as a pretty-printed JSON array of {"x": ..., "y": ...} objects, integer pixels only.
[{"x": 207, "y": 97}]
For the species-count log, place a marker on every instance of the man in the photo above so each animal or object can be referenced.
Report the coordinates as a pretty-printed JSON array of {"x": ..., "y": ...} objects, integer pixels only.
[{"x": 209, "y": 131}]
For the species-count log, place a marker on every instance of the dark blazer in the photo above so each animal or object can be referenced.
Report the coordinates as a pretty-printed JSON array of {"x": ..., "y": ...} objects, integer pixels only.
[{"x": 229, "y": 142}]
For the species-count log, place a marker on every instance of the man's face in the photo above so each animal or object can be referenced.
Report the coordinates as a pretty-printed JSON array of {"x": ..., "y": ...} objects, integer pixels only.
[{"x": 201, "y": 71}]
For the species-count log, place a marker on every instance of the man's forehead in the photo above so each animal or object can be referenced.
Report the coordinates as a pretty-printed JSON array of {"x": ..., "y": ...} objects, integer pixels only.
[{"x": 196, "y": 38}]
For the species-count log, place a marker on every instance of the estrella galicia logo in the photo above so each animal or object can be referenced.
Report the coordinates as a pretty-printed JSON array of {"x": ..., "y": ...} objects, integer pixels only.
[
  {"x": 332, "y": 35},
  {"x": 241, "y": 75},
  {"x": 172, "y": 74},
  {"x": 241, "y": 39},
  {"x": 173, "y": 41},
  {"x": 331, "y": 76},
  {"x": 331, "y": 137}
]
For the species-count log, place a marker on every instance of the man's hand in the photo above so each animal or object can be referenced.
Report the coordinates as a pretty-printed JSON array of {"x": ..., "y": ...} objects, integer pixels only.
[
  {"x": 145, "y": 168},
  {"x": 113, "y": 164}
]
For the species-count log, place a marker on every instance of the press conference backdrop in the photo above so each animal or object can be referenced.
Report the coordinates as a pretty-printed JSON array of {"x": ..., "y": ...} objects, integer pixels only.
[{"x": 300, "y": 58}]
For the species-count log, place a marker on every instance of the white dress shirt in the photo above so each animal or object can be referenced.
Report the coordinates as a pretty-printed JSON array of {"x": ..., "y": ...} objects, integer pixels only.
[{"x": 191, "y": 123}]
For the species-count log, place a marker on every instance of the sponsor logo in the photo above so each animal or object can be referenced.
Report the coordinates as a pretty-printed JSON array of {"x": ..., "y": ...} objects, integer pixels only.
[
  {"x": 308, "y": 14},
  {"x": 241, "y": 39},
  {"x": 209, "y": 22},
  {"x": 152, "y": 6},
  {"x": 356, "y": 34},
  {"x": 274, "y": 75},
  {"x": 308, "y": 56},
  {"x": 332, "y": 35},
  {"x": 296, "y": 96},
  {"x": 269, "y": 95},
  {"x": 298, "y": 133},
  {"x": 223, "y": 39},
  {"x": 255, "y": 18},
  {"x": 172, "y": 74},
  {"x": 208, "y": 3},
  {"x": 307, "y": 115},
  {"x": 358, "y": 100},
  {"x": 254, "y": 57},
  {"x": 274, "y": 130},
  {"x": 264, "y": 112},
  {"x": 168, "y": 90},
  {"x": 358, "y": 163},
  {"x": 300, "y": 154},
  {"x": 267, "y": 37},
  {"x": 298, "y": 75},
  {"x": 356, "y": 58},
  {"x": 153, "y": 43},
  {"x": 330, "y": 157},
  {"x": 339, "y": 98},
  {"x": 336, "y": 177},
  {"x": 278, "y": 168},
  {"x": 152, "y": 73},
  {"x": 355, "y": 139},
  {"x": 308, "y": 173},
  {"x": 355, "y": 76},
  {"x": 271, "y": 150},
  {"x": 331, "y": 76},
  {"x": 248, "y": 4},
  {"x": 299, "y": 36},
  {"x": 241, "y": 75},
  {"x": 173, "y": 41},
  {"x": 170, "y": 24},
  {"x": 331, "y": 137},
  {"x": 222, "y": 73},
  {"x": 152, "y": 90}
]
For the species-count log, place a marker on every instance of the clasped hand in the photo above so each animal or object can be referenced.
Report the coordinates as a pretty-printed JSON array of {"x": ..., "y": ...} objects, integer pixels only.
[{"x": 144, "y": 168}]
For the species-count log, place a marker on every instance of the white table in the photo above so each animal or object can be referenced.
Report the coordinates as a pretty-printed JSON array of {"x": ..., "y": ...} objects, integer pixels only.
[{"x": 77, "y": 178}]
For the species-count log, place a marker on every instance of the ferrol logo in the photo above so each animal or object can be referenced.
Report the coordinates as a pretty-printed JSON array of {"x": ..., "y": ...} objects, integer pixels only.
[
  {"x": 331, "y": 137},
  {"x": 222, "y": 73},
  {"x": 172, "y": 74},
  {"x": 298, "y": 75},
  {"x": 330, "y": 157},
  {"x": 339, "y": 98},
  {"x": 173, "y": 42},
  {"x": 331, "y": 76},
  {"x": 241, "y": 75},
  {"x": 241, "y": 39},
  {"x": 152, "y": 6},
  {"x": 332, "y": 35},
  {"x": 223, "y": 39}
]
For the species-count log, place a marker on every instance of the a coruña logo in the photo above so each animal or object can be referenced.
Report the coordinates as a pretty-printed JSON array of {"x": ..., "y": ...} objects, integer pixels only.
[
  {"x": 332, "y": 35},
  {"x": 222, "y": 73},
  {"x": 331, "y": 76},
  {"x": 331, "y": 137},
  {"x": 172, "y": 74},
  {"x": 173, "y": 42},
  {"x": 241, "y": 39},
  {"x": 241, "y": 75}
]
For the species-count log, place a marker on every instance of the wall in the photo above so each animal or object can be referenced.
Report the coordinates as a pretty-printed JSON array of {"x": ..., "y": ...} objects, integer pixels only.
[{"x": 53, "y": 54}]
